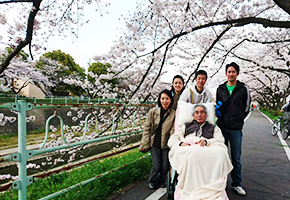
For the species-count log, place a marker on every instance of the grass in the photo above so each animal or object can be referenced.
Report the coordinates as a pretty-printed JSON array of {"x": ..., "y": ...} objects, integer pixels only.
[
  {"x": 11, "y": 140},
  {"x": 135, "y": 169}
]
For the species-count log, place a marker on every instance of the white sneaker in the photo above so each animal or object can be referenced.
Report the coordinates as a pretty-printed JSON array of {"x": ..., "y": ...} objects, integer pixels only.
[{"x": 240, "y": 190}]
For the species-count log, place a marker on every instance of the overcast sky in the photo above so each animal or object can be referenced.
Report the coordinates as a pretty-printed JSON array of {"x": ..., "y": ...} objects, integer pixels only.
[{"x": 97, "y": 36}]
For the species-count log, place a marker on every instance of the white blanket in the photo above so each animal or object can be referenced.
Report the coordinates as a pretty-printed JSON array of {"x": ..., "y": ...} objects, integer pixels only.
[{"x": 202, "y": 170}]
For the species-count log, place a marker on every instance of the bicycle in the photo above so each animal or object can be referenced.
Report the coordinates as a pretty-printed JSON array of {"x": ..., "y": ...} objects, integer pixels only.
[{"x": 281, "y": 125}]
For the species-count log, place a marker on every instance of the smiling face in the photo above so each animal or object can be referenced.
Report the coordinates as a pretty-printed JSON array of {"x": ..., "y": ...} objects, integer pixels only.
[
  {"x": 232, "y": 74},
  {"x": 177, "y": 85},
  {"x": 199, "y": 114},
  {"x": 165, "y": 101},
  {"x": 200, "y": 81}
]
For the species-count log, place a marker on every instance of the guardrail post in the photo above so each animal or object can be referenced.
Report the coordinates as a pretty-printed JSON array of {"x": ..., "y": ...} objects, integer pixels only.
[{"x": 22, "y": 173}]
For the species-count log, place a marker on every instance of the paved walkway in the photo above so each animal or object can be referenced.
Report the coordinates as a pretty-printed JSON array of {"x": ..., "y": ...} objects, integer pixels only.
[
  {"x": 15, "y": 150},
  {"x": 266, "y": 167}
]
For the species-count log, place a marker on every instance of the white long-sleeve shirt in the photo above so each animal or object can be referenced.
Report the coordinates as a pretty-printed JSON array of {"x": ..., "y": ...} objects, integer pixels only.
[{"x": 204, "y": 97}]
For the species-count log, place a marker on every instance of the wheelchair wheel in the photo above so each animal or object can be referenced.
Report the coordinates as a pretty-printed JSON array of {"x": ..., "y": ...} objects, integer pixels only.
[
  {"x": 171, "y": 183},
  {"x": 169, "y": 189}
]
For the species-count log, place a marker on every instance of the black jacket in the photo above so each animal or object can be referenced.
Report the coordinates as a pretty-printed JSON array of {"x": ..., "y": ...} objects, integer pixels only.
[{"x": 235, "y": 107}]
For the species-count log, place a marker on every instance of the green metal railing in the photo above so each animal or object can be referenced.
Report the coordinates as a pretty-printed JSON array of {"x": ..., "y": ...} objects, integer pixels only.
[
  {"x": 22, "y": 106},
  {"x": 60, "y": 99}
]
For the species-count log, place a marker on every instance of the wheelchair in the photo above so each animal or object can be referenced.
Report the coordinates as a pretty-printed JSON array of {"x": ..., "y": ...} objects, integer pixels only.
[{"x": 183, "y": 107}]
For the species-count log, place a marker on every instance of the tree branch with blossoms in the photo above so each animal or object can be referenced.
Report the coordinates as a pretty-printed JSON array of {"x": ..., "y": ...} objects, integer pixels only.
[
  {"x": 208, "y": 50},
  {"x": 27, "y": 40}
]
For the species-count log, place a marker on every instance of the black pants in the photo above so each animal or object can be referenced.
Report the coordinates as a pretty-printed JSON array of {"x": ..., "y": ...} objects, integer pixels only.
[{"x": 161, "y": 165}]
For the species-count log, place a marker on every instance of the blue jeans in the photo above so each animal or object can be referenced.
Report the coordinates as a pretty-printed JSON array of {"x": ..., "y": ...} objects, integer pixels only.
[
  {"x": 234, "y": 137},
  {"x": 161, "y": 165}
]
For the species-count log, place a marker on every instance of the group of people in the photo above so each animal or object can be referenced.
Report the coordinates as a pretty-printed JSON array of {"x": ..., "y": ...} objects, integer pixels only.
[{"x": 198, "y": 150}]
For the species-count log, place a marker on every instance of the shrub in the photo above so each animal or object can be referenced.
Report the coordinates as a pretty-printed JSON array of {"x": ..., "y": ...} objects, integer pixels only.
[{"x": 273, "y": 114}]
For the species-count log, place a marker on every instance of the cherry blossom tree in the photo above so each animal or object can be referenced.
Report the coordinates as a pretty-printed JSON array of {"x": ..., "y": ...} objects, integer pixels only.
[
  {"x": 189, "y": 35},
  {"x": 65, "y": 67},
  {"x": 99, "y": 69},
  {"x": 127, "y": 83},
  {"x": 32, "y": 22},
  {"x": 183, "y": 35},
  {"x": 21, "y": 69},
  {"x": 267, "y": 71}
]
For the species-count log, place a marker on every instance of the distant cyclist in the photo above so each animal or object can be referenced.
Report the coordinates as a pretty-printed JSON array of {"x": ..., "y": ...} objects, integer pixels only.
[{"x": 286, "y": 110}]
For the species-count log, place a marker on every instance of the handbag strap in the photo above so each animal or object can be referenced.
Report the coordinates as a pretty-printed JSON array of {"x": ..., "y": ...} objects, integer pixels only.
[{"x": 191, "y": 94}]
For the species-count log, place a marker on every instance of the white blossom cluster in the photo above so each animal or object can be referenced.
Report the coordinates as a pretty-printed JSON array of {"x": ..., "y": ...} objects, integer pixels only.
[
  {"x": 181, "y": 35},
  {"x": 160, "y": 35},
  {"x": 4, "y": 119},
  {"x": 27, "y": 72},
  {"x": 8, "y": 176}
]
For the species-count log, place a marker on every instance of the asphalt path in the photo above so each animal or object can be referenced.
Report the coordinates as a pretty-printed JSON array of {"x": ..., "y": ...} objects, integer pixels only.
[{"x": 265, "y": 172}]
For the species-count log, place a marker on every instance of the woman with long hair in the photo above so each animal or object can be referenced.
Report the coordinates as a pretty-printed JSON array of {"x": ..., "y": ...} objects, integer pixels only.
[
  {"x": 159, "y": 126},
  {"x": 176, "y": 89}
]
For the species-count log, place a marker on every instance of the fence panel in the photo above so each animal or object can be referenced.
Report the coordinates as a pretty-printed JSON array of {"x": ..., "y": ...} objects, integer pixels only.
[{"x": 22, "y": 106}]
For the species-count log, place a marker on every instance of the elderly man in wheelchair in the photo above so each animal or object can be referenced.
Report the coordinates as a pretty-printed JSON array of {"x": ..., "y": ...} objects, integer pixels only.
[{"x": 200, "y": 157}]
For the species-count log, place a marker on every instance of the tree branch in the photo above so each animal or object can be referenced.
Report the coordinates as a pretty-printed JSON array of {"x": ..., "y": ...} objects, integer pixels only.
[
  {"x": 234, "y": 22},
  {"x": 207, "y": 51},
  {"x": 27, "y": 40},
  {"x": 143, "y": 78},
  {"x": 284, "y": 4},
  {"x": 284, "y": 71},
  {"x": 16, "y": 1}
]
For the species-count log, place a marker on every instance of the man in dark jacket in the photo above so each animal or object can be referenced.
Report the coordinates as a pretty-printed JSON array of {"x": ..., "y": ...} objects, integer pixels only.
[{"x": 233, "y": 104}]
